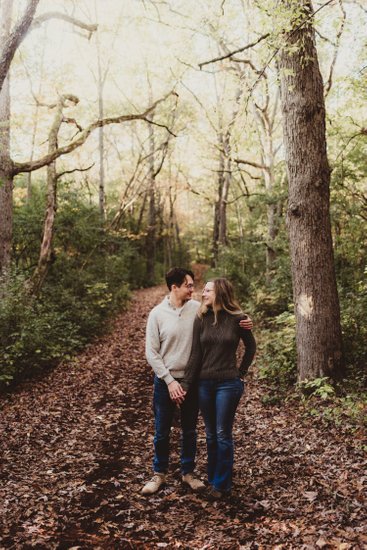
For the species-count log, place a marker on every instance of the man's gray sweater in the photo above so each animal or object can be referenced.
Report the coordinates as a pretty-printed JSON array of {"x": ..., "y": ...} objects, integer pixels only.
[{"x": 169, "y": 338}]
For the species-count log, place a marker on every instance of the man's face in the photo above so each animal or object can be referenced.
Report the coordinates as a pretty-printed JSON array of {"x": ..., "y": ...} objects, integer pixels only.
[{"x": 185, "y": 291}]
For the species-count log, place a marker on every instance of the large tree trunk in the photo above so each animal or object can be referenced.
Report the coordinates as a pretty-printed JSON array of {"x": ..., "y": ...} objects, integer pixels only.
[
  {"x": 6, "y": 176},
  {"x": 319, "y": 341}
]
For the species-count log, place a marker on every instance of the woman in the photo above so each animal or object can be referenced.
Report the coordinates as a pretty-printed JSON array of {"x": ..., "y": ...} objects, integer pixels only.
[{"x": 216, "y": 336}]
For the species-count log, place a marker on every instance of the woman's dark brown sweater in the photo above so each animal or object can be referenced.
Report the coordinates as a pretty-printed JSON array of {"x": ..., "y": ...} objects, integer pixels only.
[{"x": 213, "y": 352}]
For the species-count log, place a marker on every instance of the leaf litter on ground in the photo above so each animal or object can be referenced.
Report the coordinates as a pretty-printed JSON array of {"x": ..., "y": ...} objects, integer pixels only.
[{"x": 76, "y": 448}]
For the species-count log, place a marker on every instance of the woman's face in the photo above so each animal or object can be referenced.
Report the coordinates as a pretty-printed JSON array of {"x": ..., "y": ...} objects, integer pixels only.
[{"x": 208, "y": 294}]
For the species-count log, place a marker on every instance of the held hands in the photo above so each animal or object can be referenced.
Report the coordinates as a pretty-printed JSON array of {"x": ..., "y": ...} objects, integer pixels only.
[
  {"x": 247, "y": 323},
  {"x": 176, "y": 392}
]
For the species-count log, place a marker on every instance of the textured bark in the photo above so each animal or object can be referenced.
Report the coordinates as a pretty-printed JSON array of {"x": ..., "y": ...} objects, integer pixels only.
[
  {"x": 51, "y": 205},
  {"x": 6, "y": 179},
  {"x": 319, "y": 341},
  {"x": 11, "y": 43},
  {"x": 152, "y": 213}
]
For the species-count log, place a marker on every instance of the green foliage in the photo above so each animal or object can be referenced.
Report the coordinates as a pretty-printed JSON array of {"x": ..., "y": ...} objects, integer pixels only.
[
  {"x": 92, "y": 271},
  {"x": 318, "y": 387},
  {"x": 236, "y": 262},
  {"x": 33, "y": 334},
  {"x": 332, "y": 404},
  {"x": 277, "y": 352},
  {"x": 349, "y": 216}
]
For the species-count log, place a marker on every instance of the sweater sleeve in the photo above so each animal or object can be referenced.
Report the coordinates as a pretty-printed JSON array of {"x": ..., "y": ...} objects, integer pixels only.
[
  {"x": 152, "y": 350},
  {"x": 193, "y": 366},
  {"x": 250, "y": 348}
]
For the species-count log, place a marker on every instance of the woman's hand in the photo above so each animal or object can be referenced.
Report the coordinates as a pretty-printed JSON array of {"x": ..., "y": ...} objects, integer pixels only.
[{"x": 247, "y": 323}]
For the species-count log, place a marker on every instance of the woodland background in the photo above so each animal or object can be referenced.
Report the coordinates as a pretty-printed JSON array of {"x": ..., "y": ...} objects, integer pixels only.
[
  {"x": 226, "y": 135},
  {"x": 138, "y": 135}
]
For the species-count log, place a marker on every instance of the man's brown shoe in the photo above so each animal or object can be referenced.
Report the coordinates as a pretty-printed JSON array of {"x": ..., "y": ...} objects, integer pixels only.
[
  {"x": 154, "y": 484},
  {"x": 194, "y": 483},
  {"x": 214, "y": 494}
]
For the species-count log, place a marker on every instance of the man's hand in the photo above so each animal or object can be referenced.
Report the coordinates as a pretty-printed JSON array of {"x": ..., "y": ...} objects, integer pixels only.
[
  {"x": 247, "y": 323},
  {"x": 176, "y": 392}
]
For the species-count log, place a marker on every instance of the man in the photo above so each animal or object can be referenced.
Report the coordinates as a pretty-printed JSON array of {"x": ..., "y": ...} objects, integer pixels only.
[{"x": 168, "y": 347}]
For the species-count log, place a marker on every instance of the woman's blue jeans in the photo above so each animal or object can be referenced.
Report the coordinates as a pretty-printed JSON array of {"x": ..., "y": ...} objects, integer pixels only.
[
  {"x": 218, "y": 400},
  {"x": 164, "y": 409}
]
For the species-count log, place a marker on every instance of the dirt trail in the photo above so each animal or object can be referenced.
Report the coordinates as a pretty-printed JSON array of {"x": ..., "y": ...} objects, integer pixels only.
[{"x": 76, "y": 448}]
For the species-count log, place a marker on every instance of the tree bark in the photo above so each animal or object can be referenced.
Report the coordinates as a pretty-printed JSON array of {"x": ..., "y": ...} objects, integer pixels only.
[
  {"x": 318, "y": 332},
  {"x": 6, "y": 166},
  {"x": 19, "y": 167},
  {"x": 152, "y": 214},
  {"x": 41, "y": 270},
  {"x": 11, "y": 42},
  {"x": 217, "y": 205}
]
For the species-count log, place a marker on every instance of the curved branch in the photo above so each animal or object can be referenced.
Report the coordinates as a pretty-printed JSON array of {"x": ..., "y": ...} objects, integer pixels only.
[
  {"x": 72, "y": 171},
  {"x": 19, "y": 167},
  {"x": 63, "y": 17}
]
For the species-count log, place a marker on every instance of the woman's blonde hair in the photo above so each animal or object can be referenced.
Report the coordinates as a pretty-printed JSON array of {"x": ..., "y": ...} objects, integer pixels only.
[{"x": 224, "y": 299}]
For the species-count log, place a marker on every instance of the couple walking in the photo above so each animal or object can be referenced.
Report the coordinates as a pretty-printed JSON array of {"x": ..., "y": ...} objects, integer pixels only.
[{"x": 191, "y": 347}]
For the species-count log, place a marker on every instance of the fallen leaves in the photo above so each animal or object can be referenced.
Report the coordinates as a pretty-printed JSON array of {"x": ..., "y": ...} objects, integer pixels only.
[{"x": 77, "y": 447}]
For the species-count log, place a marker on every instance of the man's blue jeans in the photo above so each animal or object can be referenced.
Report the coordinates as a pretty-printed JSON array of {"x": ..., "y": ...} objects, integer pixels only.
[
  {"x": 164, "y": 409},
  {"x": 218, "y": 401}
]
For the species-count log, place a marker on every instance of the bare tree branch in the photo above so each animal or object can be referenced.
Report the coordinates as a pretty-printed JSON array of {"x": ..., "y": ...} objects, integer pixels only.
[
  {"x": 248, "y": 46},
  {"x": 60, "y": 174},
  {"x": 160, "y": 126},
  {"x": 19, "y": 167},
  {"x": 277, "y": 50},
  {"x": 63, "y": 17},
  {"x": 336, "y": 49},
  {"x": 253, "y": 164}
]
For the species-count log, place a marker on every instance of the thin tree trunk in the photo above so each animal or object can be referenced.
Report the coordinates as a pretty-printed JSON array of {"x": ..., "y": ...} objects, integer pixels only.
[
  {"x": 35, "y": 125},
  {"x": 266, "y": 119},
  {"x": 44, "y": 259},
  {"x": 152, "y": 214},
  {"x": 227, "y": 177},
  {"x": 318, "y": 336},
  {"x": 100, "y": 86},
  {"x": 217, "y": 205}
]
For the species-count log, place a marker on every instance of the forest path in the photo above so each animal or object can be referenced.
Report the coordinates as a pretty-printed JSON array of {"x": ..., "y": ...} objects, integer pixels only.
[{"x": 76, "y": 448}]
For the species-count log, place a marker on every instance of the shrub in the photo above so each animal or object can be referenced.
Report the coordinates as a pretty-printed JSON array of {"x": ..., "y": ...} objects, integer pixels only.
[{"x": 277, "y": 350}]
